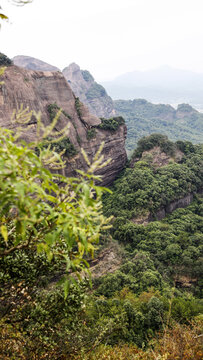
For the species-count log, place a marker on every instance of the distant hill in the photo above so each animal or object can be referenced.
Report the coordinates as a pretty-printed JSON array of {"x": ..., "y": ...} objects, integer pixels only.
[
  {"x": 162, "y": 85},
  {"x": 81, "y": 82},
  {"x": 89, "y": 91},
  {"x": 31, "y": 63},
  {"x": 144, "y": 118}
]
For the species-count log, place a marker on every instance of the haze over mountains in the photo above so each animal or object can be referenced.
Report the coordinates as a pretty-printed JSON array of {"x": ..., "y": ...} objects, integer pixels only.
[
  {"x": 82, "y": 83},
  {"x": 161, "y": 85},
  {"x": 142, "y": 118}
]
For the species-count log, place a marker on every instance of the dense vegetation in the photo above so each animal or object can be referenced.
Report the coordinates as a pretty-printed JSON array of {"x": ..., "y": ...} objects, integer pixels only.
[
  {"x": 4, "y": 60},
  {"x": 111, "y": 124},
  {"x": 64, "y": 146},
  {"x": 91, "y": 133},
  {"x": 95, "y": 91},
  {"x": 146, "y": 188},
  {"x": 53, "y": 110},
  {"x": 150, "y": 306},
  {"x": 87, "y": 76},
  {"x": 143, "y": 118}
]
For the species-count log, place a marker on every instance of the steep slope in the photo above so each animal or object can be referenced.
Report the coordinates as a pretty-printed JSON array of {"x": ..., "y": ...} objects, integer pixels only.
[
  {"x": 162, "y": 177},
  {"x": 43, "y": 91},
  {"x": 90, "y": 93},
  {"x": 143, "y": 118},
  {"x": 31, "y": 63}
]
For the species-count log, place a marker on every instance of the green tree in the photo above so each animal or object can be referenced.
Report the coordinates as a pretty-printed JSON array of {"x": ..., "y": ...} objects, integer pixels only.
[
  {"x": 43, "y": 210},
  {"x": 4, "y": 60}
]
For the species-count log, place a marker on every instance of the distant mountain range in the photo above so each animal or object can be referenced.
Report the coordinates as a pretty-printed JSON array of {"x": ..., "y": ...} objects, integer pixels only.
[
  {"x": 162, "y": 85},
  {"x": 142, "y": 117}
]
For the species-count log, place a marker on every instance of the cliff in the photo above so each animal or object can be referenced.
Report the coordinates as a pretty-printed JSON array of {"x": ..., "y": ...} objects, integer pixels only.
[
  {"x": 31, "y": 63},
  {"x": 89, "y": 91},
  {"x": 40, "y": 90}
]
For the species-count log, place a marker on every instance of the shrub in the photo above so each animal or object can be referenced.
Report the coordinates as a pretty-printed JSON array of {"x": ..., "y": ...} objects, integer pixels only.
[
  {"x": 91, "y": 133},
  {"x": 4, "y": 60},
  {"x": 64, "y": 145},
  {"x": 149, "y": 142},
  {"x": 111, "y": 124},
  {"x": 53, "y": 109}
]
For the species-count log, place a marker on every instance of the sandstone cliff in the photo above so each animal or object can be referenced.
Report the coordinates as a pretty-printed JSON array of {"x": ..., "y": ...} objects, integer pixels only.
[
  {"x": 31, "y": 63},
  {"x": 90, "y": 93},
  {"x": 38, "y": 90}
]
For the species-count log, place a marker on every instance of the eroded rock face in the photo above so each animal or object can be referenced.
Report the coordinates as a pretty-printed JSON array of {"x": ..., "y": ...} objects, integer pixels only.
[
  {"x": 90, "y": 93},
  {"x": 37, "y": 90},
  {"x": 157, "y": 157},
  {"x": 164, "y": 211},
  {"x": 31, "y": 63}
]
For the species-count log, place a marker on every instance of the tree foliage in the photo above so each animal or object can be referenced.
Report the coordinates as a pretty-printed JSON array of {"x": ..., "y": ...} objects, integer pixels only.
[
  {"x": 39, "y": 209},
  {"x": 4, "y": 60}
]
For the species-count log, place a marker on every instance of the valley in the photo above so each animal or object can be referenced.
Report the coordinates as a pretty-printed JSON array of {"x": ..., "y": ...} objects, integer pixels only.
[{"x": 141, "y": 237}]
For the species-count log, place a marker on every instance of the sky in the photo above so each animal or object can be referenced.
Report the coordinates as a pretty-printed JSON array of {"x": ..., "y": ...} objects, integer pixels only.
[{"x": 107, "y": 37}]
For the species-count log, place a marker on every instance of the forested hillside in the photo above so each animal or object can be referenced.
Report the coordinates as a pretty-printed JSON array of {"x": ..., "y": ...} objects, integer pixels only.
[
  {"x": 144, "y": 118},
  {"x": 150, "y": 305},
  {"x": 101, "y": 254}
]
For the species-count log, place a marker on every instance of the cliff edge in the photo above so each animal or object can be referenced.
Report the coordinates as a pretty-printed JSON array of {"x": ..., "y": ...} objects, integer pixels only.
[
  {"x": 47, "y": 91},
  {"x": 89, "y": 91}
]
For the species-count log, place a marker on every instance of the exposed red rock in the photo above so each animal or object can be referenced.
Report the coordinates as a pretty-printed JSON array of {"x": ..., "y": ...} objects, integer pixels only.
[
  {"x": 37, "y": 90},
  {"x": 32, "y": 63}
]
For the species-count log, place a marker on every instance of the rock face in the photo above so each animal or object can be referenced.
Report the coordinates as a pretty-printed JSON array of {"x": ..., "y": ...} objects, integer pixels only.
[
  {"x": 90, "y": 93},
  {"x": 31, "y": 63},
  {"x": 176, "y": 204},
  {"x": 37, "y": 90},
  {"x": 164, "y": 211}
]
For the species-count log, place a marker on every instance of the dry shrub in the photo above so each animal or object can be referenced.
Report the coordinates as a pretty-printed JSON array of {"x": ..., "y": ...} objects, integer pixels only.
[
  {"x": 117, "y": 352},
  {"x": 179, "y": 343}
]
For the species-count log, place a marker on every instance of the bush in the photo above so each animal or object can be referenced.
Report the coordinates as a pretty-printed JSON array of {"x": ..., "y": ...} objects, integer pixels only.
[
  {"x": 5, "y": 61},
  {"x": 64, "y": 145},
  {"x": 91, "y": 133},
  {"x": 53, "y": 109},
  {"x": 149, "y": 142},
  {"x": 111, "y": 124}
]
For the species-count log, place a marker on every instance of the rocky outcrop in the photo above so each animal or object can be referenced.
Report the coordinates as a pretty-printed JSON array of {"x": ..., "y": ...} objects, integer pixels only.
[
  {"x": 37, "y": 90},
  {"x": 172, "y": 206},
  {"x": 31, "y": 63},
  {"x": 157, "y": 157},
  {"x": 90, "y": 93},
  {"x": 107, "y": 261},
  {"x": 164, "y": 211}
]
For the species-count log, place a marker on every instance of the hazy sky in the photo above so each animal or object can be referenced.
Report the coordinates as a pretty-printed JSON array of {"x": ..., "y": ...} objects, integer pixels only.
[{"x": 107, "y": 37}]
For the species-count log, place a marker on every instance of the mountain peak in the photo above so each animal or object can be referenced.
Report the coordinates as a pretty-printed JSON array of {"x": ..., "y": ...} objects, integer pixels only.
[{"x": 31, "y": 63}]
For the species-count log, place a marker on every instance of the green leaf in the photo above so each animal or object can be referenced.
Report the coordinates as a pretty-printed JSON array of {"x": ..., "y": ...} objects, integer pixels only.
[
  {"x": 66, "y": 288},
  {"x": 4, "y": 233},
  {"x": 4, "y": 17}
]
